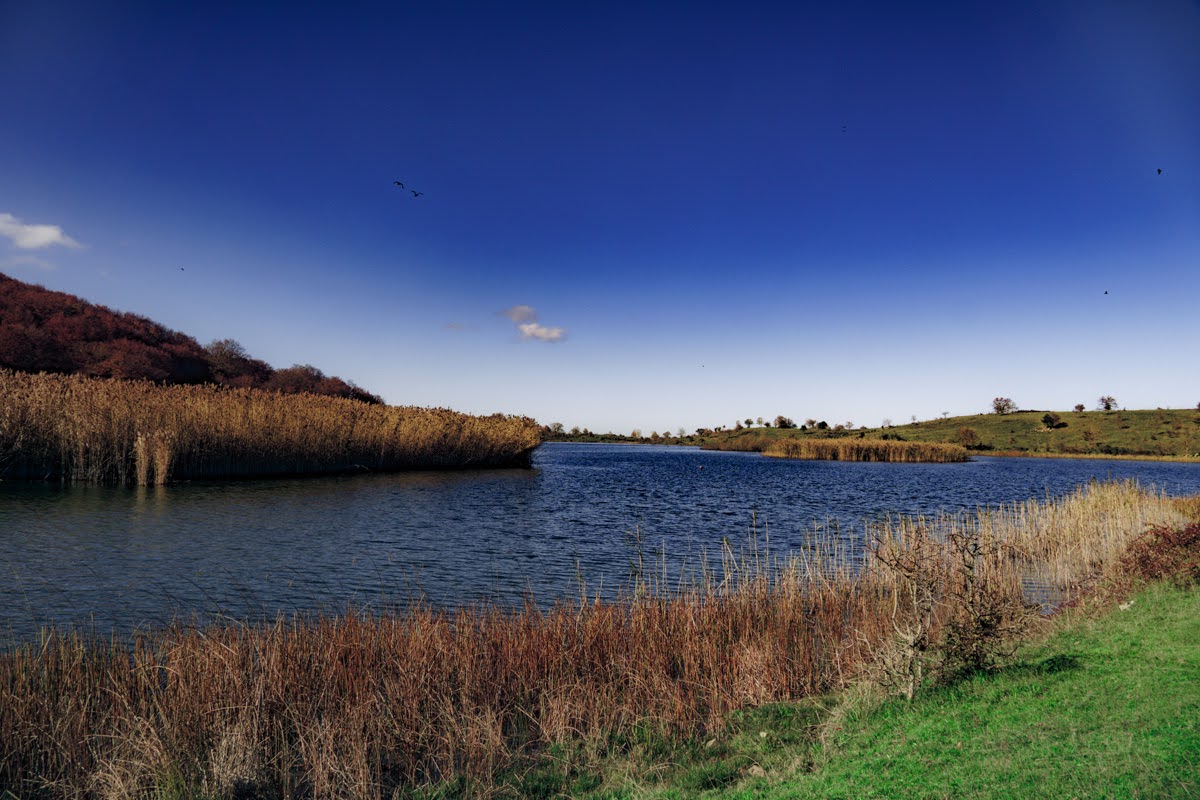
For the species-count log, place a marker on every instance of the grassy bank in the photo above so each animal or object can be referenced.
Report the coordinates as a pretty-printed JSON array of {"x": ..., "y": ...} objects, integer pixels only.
[
  {"x": 1149, "y": 432},
  {"x": 359, "y": 706},
  {"x": 856, "y": 449},
  {"x": 1102, "y": 707},
  {"x": 72, "y": 428}
]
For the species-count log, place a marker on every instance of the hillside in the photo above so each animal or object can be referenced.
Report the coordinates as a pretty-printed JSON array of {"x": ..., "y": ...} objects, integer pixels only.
[
  {"x": 59, "y": 333},
  {"x": 1171, "y": 433}
]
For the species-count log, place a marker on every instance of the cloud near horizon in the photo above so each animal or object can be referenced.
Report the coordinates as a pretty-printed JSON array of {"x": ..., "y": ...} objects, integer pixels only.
[
  {"x": 525, "y": 318},
  {"x": 34, "y": 237}
]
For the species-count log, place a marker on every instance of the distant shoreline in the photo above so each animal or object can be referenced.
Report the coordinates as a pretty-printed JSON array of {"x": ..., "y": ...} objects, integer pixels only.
[{"x": 973, "y": 453}]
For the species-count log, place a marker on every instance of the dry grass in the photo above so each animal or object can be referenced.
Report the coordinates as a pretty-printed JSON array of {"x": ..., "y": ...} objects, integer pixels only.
[
  {"x": 1183, "y": 459},
  {"x": 73, "y": 428},
  {"x": 1189, "y": 506},
  {"x": 359, "y": 706},
  {"x": 848, "y": 449}
]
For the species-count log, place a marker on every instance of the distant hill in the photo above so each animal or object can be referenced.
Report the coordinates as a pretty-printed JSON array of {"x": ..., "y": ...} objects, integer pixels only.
[
  {"x": 55, "y": 332},
  {"x": 1164, "y": 432}
]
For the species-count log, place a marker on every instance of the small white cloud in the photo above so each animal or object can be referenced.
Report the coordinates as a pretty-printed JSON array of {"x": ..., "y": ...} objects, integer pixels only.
[
  {"x": 33, "y": 237},
  {"x": 525, "y": 318},
  {"x": 532, "y": 330},
  {"x": 519, "y": 314},
  {"x": 27, "y": 261}
]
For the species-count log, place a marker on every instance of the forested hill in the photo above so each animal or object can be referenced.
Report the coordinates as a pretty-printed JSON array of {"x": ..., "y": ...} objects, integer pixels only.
[{"x": 47, "y": 331}]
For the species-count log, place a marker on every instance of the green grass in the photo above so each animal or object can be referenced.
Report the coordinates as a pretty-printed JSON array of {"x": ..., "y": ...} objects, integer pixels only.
[
  {"x": 1106, "y": 707},
  {"x": 1157, "y": 433}
]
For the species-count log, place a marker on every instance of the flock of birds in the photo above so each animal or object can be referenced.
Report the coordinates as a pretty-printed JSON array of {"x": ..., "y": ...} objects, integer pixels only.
[{"x": 415, "y": 193}]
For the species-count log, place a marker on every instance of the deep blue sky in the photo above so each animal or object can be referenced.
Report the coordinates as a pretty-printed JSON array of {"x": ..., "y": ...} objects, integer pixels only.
[{"x": 847, "y": 211}]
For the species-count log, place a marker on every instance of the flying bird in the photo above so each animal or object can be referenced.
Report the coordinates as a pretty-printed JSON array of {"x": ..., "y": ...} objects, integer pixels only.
[
  {"x": 1106, "y": 291},
  {"x": 1160, "y": 172},
  {"x": 415, "y": 193}
]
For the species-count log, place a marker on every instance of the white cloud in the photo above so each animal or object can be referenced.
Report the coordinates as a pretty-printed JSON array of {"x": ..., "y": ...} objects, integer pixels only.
[
  {"x": 28, "y": 261},
  {"x": 33, "y": 237},
  {"x": 525, "y": 318},
  {"x": 532, "y": 330}
]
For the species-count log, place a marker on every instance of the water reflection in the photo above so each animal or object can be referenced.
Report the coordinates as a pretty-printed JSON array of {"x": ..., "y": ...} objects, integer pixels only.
[{"x": 118, "y": 558}]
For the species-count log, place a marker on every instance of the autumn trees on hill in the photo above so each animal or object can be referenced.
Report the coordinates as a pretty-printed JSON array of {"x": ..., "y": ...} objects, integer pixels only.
[{"x": 55, "y": 332}]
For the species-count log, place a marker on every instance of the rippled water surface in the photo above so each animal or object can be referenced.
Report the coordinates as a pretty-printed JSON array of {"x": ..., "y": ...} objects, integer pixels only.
[{"x": 114, "y": 559}]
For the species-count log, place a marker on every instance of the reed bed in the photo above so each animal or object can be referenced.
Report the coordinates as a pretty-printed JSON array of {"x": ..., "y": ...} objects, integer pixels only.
[
  {"x": 362, "y": 706},
  {"x": 73, "y": 428},
  {"x": 847, "y": 449}
]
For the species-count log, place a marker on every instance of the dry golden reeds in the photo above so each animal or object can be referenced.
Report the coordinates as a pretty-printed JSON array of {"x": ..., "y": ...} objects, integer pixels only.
[
  {"x": 362, "y": 706},
  {"x": 850, "y": 449},
  {"x": 73, "y": 428}
]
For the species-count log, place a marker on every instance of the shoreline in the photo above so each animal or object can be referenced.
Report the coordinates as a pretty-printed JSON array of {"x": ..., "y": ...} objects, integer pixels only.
[
  {"x": 496, "y": 687},
  {"x": 973, "y": 453}
]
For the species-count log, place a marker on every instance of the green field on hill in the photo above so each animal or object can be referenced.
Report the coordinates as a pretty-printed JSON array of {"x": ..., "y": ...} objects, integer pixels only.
[{"x": 1160, "y": 433}]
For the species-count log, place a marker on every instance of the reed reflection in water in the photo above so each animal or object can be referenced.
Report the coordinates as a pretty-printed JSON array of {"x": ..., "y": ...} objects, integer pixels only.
[{"x": 114, "y": 559}]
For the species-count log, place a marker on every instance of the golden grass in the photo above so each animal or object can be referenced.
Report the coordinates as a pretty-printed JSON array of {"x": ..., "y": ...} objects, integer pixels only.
[
  {"x": 1090, "y": 456},
  {"x": 1189, "y": 506},
  {"x": 363, "y": 707},
  {"x": 849, "y": 449},
  {"x": 74, "y": 428}
]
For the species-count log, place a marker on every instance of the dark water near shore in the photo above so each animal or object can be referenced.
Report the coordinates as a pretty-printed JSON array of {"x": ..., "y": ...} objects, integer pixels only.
[{"x": 115, "y": 559}]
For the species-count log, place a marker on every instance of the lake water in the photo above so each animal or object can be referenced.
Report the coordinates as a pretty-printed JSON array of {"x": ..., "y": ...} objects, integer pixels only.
[{"x": 114, "y": 559}]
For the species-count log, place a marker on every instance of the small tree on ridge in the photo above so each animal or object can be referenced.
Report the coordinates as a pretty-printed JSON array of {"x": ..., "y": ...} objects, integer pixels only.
[{"x": 1003, "y": 405}]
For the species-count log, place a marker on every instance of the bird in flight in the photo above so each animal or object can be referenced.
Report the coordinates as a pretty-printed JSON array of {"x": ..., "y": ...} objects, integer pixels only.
[
  {"x": 1106, "y": 291},
  {"x": 1160, "y": 171},
  {"x": 415, "y": 193}
]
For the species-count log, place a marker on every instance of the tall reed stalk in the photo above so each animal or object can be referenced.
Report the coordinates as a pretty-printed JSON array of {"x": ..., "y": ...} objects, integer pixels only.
[{"x": 72, "y": 428}]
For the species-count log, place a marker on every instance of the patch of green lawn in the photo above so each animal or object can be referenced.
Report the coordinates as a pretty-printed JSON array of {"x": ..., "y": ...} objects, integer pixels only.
[{"x": 1108, "y": 707}]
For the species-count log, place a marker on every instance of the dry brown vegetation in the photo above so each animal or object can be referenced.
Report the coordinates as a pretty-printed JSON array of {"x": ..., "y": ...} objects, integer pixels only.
[
  {"x": 45, "y": 331},
  {"x": 866, "y": 450},
  {"x": 72, "y": 428},
  {"x": 359, "y": 706},
  {"x": 1190, "y": 506}
]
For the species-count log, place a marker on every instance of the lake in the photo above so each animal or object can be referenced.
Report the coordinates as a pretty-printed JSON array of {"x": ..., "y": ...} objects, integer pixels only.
[{"x": 113, "y": 559}]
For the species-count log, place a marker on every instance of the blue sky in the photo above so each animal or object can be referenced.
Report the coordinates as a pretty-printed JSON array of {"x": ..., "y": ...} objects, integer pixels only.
[{"x": 698, "y": 212}]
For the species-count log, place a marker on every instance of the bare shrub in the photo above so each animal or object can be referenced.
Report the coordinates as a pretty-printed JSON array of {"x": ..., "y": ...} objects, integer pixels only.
[
  {"x": 987, "y": 613},
  {"x": 912, "y": 562},
  {"x": 1164, "y": 552}
]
